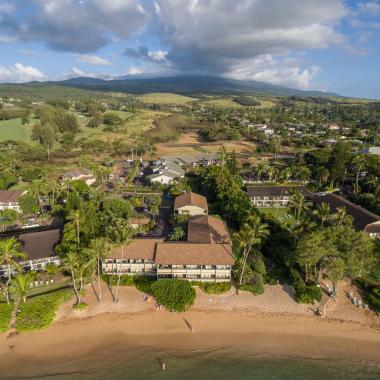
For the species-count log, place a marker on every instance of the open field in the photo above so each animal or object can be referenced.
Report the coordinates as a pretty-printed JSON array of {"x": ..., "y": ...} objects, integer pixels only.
[
  {"x": 228, "y": 102},
  {"x": 165, "y": 98},
  {"x": 13, "y": 130}
]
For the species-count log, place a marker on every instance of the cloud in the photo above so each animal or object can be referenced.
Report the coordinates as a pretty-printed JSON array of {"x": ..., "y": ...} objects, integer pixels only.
[
  {"x": 134, "y": 71},
  {"x": 142, "y": 52},
  {"x": 372, "y": 8},
  {"x": 93, "y": 60},
  {"x": 20, "y": 73},
  {"x": 72, "y": 25}
]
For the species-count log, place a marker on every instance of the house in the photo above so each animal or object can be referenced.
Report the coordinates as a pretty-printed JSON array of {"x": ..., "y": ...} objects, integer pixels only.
[
  {"x": 79, "y": 174},
  {"x": 39, "y": 248},
  {"x": 206, "y": 256},
  {"x": 274, "y": 196},
  {"x": 191, "y": 203},
  {"x": 138, "y": 223},
  {"x": 164, "y": 172},
  {"x": 9, "y": 199},
  {"x": 371, "y": 150},
  {"x": 334, "y": 127},
  {"x": 363, "y": 220}
]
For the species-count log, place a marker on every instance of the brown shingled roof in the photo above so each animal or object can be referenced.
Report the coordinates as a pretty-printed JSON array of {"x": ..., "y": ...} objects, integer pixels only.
[
  {"x": 193, "y": 254},
  {"x": 143, "y": 249},
  {"x": 190, "y": 199},
  {"x": 207, "y": 229},
  {"x": 10, "y": 195}
]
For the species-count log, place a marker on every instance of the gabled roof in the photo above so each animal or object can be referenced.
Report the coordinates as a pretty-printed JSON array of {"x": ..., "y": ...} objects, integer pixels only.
[
  {"x": 184, "y": 253},
  {"x": 208, "y": 230},
  {"x": 143, "y": 249},
  {"x": 76, "y": 172},
  {"x": 191, "y": 199},
  {"x": 276, "y": 191},
  {"x": 361, "y": 217},
  {"x": 7, "y": 196}
]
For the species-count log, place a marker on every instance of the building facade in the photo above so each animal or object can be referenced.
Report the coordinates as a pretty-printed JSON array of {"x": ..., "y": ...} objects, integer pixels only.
[{"x": 9, "y": 199}]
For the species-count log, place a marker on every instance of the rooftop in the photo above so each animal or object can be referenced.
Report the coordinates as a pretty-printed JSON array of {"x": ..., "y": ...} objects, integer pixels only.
[
  {"x": 208, "y": 230},
  {"x": 7, "y": 196},
  {"x": 143, "y": 249},
  {"x": 190, "y": 199}
]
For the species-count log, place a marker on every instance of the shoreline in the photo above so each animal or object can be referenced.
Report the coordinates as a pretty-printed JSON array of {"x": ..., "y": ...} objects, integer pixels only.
[{"x": 93, "y": 340}]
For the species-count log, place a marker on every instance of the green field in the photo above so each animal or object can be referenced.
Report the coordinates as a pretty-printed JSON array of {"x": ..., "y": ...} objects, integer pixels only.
[
  {"x": 165, "y": 98},
  {"x": 230, "y": 103},
  {"x": 13, "y": 130}
]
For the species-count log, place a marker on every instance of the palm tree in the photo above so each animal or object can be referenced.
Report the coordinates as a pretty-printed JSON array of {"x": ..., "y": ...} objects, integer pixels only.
[
  {"x": 37, "y": 188},
  {"x": 9, "y": 253},
  {"x": 251, "y": 235},
  {"x": 342, "y": 218},
  {"x": 323, "y": 213},
  {"x": 70, "y": 263},
  {"x": 120, "y": 233},
  {"x": 21, "y": 284},
  {"x": 75, "y": 217},
  {"x": 99, "y": 249},
  {"x": 298, "y": 204},
  {"x": 359, "y": 163}
]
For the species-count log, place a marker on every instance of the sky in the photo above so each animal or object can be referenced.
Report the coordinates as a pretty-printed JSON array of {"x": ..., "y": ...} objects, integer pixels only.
[{"x": 327, "y": 45}]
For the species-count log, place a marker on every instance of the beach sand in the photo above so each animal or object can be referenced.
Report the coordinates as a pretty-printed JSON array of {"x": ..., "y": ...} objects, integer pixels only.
[{"x": 271, "y": 324}]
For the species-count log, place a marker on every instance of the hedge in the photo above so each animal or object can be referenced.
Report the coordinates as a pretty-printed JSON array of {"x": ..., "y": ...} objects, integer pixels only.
[
  {"x": 174, "y": 294},
  {"x": 39, "y": 312},
  {"x": 5, "y": 316},
  {"x": 142, "y": 283},
  {"x": 212, "y": 287}
]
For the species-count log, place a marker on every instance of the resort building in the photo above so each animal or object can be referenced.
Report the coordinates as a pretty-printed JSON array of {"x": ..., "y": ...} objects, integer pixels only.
[
  {"x": 206, "y": 256},
  {"x": 191, "y": 204},
  {"x": 80, "y": 174},
  {"x": 363, "y": 220},
  {"x": 9, "y": 199},
  {"x": 39, "y": 250},
  {"x": 274, "y": 196}
]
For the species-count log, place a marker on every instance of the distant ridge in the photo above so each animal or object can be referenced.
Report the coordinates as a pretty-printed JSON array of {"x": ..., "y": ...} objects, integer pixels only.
[{"x": 185, "y": 85}]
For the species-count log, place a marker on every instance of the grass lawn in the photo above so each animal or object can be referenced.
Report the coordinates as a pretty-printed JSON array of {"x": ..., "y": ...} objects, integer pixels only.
[
  {"x": 5, "y": 316},
  {"x": 165, "y": 98},
  {"x": 13, "y": 130},
  {"x": 279, "y": 212},
  {"x": 19, "y": 186}
]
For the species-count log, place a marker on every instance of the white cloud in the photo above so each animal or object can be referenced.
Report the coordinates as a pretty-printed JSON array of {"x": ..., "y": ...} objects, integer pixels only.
[
  {"x": 264, "y": 68},
  {"x": 372, "y": 8},
  {"x": 134, "y": 70},
  {"x": 20, "y": 73},
  {"x": 93, "y": 60}
]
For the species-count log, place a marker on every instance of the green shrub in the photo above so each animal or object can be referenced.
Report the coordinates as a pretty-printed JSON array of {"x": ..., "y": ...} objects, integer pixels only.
[
  {"x": 376, "y": 292},
  {"x": 125, "y": 280},
  {"x": 372, "y": 301},
  {"x": 142, "y": 283},
  {"x": 308, "y": 294},
  {"x": 174, "y": 294},
  {"x": 256, "y": 286},
  {"x": 39, "y": 312},
  {"x": 5, "y": 316},
  {"x": 80, "y": 306},
  {"x": 216, "y": 288},
  {"x": 252, "y": 288},
  {"x": 259, "y": 266}
]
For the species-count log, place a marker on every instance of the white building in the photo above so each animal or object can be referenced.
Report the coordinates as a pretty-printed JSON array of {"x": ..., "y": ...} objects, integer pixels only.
[
  {"x": 9, "y": 199},
  {"x": 80, "y": 174}
]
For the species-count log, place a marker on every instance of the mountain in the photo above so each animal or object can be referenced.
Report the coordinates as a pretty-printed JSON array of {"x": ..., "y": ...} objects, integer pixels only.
[{"x": 185, "y": 85}]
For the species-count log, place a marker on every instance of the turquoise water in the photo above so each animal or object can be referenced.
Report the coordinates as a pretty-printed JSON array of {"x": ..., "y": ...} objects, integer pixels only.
[{"x": 202, "y": 365}]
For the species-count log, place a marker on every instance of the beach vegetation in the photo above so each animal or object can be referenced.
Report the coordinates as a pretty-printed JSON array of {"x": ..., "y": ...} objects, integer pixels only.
[
  {"x": 256, "y": 284},
  {"x": 5, "y": 316},
  {"x": 39, "y": 312},
  {"x": 213, "y": 287},
  {"x": 173, "y": 294},
  {"x": 80, "y": 306}
]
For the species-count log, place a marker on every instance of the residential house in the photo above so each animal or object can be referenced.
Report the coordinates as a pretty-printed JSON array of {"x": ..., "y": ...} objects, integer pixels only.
[
  {"x": 39, "y": 249},
  {"x": 206, "y": 256},
  {"x": 191, "y": 204},
  {"x": 164, "y": 172},
  {"x": 371, "y": 150},
  {"x": 9, "y": 199},
  {"x": 363, "y": 220},
  {"x": 274, "y": 196},
  {"x": 79, "y": 174}
]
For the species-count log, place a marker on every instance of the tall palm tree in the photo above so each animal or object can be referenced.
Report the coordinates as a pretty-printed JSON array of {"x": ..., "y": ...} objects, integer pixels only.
[
  {"x": 99, "y": 249},
  {"x": 251, "y": 235},
  {"x": 75, "y": 216},
  {"x": 323, "y": 213},
  {"x": 298, "y": 204},
  {"x": 359, "y": 163},
  {"x": 70, "y": 263},
  {"x": 342, "y": 218},
  {"x": 21, "y": 284},
  {"x": 37, "y": 188},
  {"x": 120, "y": 233},
  {"x": 9, "y": 253}
]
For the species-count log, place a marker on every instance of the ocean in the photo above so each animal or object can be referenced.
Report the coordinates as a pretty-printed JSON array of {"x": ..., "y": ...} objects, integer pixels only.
[{"x": 228, "y": 363}]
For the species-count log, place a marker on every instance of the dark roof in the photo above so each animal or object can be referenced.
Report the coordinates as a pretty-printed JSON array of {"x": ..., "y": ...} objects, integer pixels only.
[
  {"x": 184, "y": 253},
  {"x": 10, "y": 195},
  {"x": 39, "y": 245},
  {"x": 276, "y": 191},
  {"x": 361, "y": 217},
  {"x": 190, "y": 199},
  {"x": 207, "y": 229}
]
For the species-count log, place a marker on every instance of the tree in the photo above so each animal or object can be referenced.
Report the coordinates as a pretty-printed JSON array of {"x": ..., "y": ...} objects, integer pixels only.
[
  {"x": 323, "y": 213},
  {"x": 75, "y": 217},
  {"x": 177, "y": 234},
  {"x": 335, "y": 268},
  {"x": 250, "y": 236},
  {"x": 9, "y": 255},
  {"x": 342, "y": 218},
  {"x": 44, "y": 134},
  {"x": 28, "y": 204},
  {"x": 70, "y": 263},
  {"x": 120, "y": 233},
  {"x": 8, "y": 217},
  {"x": 359, "y": 162},
  {"x": 299, "y": 205},
  {"x": 99, "y": 249},
  {"x": 21, "y": 284}
]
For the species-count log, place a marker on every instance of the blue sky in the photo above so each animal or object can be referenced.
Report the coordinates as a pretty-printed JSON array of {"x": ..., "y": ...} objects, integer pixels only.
[{"x": 329, "y": 45}]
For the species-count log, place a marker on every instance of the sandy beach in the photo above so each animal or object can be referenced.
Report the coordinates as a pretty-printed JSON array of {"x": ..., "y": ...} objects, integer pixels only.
[{"x": 269, "y": 324}]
